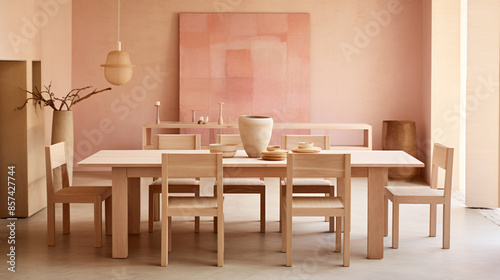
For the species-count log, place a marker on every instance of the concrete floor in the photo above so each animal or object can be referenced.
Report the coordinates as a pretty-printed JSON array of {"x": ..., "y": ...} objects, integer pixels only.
[{"x": 474, "y": 253}]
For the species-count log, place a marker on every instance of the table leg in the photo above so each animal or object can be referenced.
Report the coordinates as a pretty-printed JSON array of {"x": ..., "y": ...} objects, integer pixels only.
[
  {"x": 377, "y": 177},
  {"x": 146, "y": 138},
  {"x": 120, "y": 205},
  {"x": 367, "y": 138},
  {"x": 134, "y": 205}
]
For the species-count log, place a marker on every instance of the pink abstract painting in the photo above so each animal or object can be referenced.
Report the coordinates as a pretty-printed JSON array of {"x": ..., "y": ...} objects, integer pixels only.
[{"x": 257, "y": 64}]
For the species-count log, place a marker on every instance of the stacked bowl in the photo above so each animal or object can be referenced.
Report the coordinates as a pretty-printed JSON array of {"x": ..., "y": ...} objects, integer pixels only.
[{"x": 274, "y": 153}]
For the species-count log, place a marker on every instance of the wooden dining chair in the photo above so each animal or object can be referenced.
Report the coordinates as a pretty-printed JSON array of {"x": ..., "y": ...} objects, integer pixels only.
[
  {"x": 442, "y": 157},
  {"x": 60, "y": 191},
  {"x": 177, "y": 186},
  {"x": 319, "y": 166},
  {"x": 309, "y": 185},
  {"x": 188, "y": 166},
  {"x": 244, "y": 185}
]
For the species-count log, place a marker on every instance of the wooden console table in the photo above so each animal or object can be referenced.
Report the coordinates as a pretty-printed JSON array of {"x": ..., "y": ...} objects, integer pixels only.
[{"x": 367, "y": 130}]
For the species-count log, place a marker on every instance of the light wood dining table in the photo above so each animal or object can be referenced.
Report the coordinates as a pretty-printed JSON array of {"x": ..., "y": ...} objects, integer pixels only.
[{"x": 128, "y": 166}]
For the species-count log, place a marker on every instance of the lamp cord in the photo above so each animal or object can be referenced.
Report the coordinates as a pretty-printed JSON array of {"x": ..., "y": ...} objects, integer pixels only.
[{"x": 119, "y": 24}]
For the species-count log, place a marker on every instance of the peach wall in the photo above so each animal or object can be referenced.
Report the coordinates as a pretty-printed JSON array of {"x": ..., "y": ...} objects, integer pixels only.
[
  {"x": 424, "y": 150},
  {"x": 365, "y": 63},
  {"x": 56, "y": 52}
]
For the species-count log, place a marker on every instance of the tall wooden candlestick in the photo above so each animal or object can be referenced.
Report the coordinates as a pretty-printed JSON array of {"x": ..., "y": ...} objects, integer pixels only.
[
  {"x": 157, "y": 105},
  {"x": 221, "y": 121}
]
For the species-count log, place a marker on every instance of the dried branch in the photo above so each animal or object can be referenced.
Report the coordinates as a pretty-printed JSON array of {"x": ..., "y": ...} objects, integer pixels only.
[
  {"x": 68, "y": 101},
  {"x": 80, "y": 99}
]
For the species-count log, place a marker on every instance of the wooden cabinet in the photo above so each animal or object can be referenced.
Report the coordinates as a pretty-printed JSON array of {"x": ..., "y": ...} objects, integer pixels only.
[{"x": 22, "y": 139}]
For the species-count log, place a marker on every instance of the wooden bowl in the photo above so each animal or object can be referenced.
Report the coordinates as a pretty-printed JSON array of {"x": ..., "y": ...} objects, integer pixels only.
[{"x": 227, "y": 150}]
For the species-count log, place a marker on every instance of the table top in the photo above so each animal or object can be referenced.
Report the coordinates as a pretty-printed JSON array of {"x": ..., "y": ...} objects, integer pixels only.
[
  {"x": 173, "y": 124},
  {"x": 152, "y": 158}
]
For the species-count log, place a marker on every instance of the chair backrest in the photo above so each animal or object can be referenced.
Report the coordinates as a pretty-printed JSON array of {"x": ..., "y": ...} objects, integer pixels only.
[
  {"x": 192, "y": 165},
  {"x": 319, "y": 165},
  {"x": 230, "y": 139},
  {"x": 177, "y": 141},
  {"x": 291, "y": 141},
  {"x": 322, "y": 165},
  {"x": 442, "y": 157},
  {"x": 56, "y": 168}
]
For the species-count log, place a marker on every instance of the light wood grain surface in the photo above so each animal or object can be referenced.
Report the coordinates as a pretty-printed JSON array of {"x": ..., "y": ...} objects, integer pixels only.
[{"x": 152, "y": 158}]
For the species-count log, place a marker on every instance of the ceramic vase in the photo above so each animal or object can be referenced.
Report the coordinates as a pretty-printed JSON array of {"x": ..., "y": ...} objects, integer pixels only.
[
  {"x": 255, "y": 133},
  {"x": 400, "y": 135},
  {"x": 62, "y": 130}
]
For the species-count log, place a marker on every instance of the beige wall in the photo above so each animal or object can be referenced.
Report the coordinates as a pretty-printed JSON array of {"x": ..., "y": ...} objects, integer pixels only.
[
  {"x": 365, "y": 63},
  {"x": 39, "y": 30},
  {"x": 21, "y": 38},
  {"x": 34, "y": 31},
  {"x": 445, "y": 85},
  {"x": 482, "y": 104}
]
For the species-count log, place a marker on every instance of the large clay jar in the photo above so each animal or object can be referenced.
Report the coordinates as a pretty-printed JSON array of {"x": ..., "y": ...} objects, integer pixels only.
[
  {"x": 62, "y": 130},
  {"x": 400, "y": 135},
  {"x": 255, "y": 133}
]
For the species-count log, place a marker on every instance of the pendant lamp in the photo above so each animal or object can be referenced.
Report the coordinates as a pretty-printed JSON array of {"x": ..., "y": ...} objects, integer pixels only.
[{"x": 118, "y": 68}]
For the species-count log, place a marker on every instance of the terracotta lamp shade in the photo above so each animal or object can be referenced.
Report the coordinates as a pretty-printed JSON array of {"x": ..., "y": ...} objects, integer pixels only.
[{"x": 118, "y": 68}]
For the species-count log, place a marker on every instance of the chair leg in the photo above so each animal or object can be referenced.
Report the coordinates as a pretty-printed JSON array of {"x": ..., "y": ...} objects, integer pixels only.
[
  {"x": 327, "y": 219},
  {"x": 108, "y": 208},
  {"x": 332, "y": 219},
  {"x": 216, "y": 222},
  {"x": 446, "y": 225},
  {"x": 288, "y": 235},
  {"x": 169, "y": 234},
  {"x": 432, "y": 220},
  {"x": 165, "y": 229},
  {"x": 283, "y": 235},
  {"x": 331, "y": 225},
  {"x": 282, "y": 218},
  {"x": 220, "y": 240},
  {"x": 395, "y": 225},
  {"x": 51, "y": 224},
  {"x": 66, "y": 218},
  {"x": 386, "y": 216},
  {"x": 98, "y": 222},
  {"x": 282, "y": 208},
  {"x": 151, "y": 210},
  {"x": 197, "y": 218},
  {"x": 156, "y": 207},
  {"x": 263, "y": 210},
  {"x": 347, "y": 241},
  {"x": 338, "y": 234}
]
